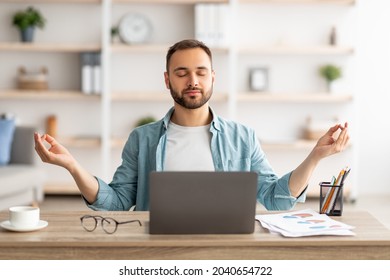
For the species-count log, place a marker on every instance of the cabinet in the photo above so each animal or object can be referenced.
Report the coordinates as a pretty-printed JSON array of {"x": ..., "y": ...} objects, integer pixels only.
[{"x": 95, "y": 127}]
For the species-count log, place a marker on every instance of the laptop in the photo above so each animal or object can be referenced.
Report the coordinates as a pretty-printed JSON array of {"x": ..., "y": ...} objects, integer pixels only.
[{"x": 202, "y": 202}]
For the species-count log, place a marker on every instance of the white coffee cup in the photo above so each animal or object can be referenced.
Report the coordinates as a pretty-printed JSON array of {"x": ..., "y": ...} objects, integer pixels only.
[{"x": 24, "y": 216}]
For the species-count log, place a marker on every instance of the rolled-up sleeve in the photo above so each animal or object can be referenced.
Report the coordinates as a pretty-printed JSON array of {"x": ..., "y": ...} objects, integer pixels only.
[
  {"x": 121, "y": 193},
  {"x": 272, "y": 191}
]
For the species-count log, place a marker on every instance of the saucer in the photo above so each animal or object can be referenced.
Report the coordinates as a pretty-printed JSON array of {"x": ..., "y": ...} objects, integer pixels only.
[{"x": 7, "y": 225}]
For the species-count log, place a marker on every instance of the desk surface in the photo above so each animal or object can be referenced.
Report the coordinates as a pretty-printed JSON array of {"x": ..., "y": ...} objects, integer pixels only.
[{"x": 64, "y": 238}]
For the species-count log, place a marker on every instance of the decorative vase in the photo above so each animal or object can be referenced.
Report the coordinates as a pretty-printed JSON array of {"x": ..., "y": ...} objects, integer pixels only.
[
  {"x": 333, "y": 87},
  {"x": 27, "y": 34},
  {"x": 330, "y": 86}
]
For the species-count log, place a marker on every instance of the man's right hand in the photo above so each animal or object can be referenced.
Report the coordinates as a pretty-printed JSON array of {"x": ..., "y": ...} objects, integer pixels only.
[
  {"x": 59, "y": 155},
  {"x": 55, "y": 154}
]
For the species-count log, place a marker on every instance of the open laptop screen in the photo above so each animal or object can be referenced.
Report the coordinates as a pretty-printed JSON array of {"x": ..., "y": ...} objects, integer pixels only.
[{"x": 202, "y": 202}]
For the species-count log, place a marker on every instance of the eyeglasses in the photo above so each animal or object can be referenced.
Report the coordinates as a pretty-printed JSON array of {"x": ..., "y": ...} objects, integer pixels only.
[{"x": 109, "y": 225}]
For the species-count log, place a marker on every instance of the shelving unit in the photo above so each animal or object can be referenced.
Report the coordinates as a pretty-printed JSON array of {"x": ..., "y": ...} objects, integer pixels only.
[
  {"x": 152, "y": 48},
  {"x": 153, "y": 96},
  {"x": 187, "y": 2},
  {"x": 320, "y": 2},
  {"x": 46, "y": 95},
  {"x": 121, "y": 101},
  {"x": 48, "y": 47},
  {"x": 286, "y": 106},
  {"x": 294, "y": 98},
  {"x": 295, "y": 50}
]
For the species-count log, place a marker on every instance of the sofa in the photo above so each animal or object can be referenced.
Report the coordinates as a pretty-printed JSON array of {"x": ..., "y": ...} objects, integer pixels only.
[{"x": 21, "y": 180}]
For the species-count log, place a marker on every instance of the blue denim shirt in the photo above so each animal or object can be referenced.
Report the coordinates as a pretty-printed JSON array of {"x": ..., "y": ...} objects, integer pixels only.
[{"x": 234, "y": 147}]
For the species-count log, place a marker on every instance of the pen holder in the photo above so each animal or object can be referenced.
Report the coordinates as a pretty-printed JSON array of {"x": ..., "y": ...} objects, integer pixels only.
[{"x": 331, "y": 199}]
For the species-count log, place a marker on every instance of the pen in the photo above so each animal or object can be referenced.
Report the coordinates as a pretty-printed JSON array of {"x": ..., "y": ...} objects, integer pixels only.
[
  {"x": 325, "y": 208},
  {"x": 345, "y": 176},
  {"x": 339, "y": 186}
]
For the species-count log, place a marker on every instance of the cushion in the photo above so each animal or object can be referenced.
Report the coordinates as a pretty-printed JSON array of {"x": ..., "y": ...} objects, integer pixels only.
[{"x": 7, "y": 128}]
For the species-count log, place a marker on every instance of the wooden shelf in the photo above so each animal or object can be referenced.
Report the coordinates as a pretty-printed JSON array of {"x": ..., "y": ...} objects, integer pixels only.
[
  {"x": 297, "y": 145},
  {"x": 118, "y": 143},
  {"x": 55, "y": 1},
  {"x": 336, "y": 2},
  {"x": 145, "y": 48},
  {"x": 301, "y": 144},
  {"x": 155, "y": 96},
  {"x": 151, "y": 48},
  {"x": 48, "y": 47},
  {"x": 190, "y": 2},
  {"x": 55, "y": 188},
  {"x": 296, "y": 50},
  {"x": 89, "y": 142},
  {"x": 46, "y": 95},
  {"x": 291, "y": 98},
  {"x": 140, "y": 96},
  {"x": 80, "y": 142}
]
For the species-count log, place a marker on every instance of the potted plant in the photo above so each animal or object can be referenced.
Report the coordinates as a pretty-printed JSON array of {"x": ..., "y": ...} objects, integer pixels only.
[
  {"x": 114, "y": 34},
  {"x": 330, "y": 73},
  {"x": 27, "y": 21},
  {"x": 145, "y": 120}
]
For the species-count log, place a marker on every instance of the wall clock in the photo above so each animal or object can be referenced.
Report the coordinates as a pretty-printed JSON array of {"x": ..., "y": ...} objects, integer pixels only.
[{"x": 134, "y": 28}]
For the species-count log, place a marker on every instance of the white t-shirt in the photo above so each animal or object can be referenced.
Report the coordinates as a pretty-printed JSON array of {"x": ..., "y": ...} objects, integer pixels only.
[{"x": 188, "y": 148}]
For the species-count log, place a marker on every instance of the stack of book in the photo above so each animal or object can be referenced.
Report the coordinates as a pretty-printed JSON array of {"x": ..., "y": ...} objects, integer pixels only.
[
  {"x": 91, "y": 73},
  {"x": 331, "y": 202},
  {"x": 212, "y": 24}
]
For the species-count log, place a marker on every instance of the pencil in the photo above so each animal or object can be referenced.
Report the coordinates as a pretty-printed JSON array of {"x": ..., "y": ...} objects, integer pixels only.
[{"x": 331, "y": 192}]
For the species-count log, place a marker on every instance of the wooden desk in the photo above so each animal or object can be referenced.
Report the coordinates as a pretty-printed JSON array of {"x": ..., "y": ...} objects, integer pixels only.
[{"x": 64, "y": 238}]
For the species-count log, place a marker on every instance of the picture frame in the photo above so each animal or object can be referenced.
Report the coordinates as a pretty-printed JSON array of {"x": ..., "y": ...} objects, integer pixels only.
[{"x": 258, "y": 79}]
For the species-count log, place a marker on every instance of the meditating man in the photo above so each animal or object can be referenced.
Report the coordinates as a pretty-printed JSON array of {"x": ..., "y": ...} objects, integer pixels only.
[{"x": 191, "y": 137}]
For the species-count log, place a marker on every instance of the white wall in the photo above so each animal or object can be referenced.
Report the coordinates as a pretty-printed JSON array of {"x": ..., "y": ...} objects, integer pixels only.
[{"x": 373, "y": 92}]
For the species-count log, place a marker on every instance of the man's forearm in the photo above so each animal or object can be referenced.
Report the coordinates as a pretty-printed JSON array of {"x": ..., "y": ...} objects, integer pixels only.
[
  {"x": 301, "y": 175},
  {"x": 86, "y": 183}
]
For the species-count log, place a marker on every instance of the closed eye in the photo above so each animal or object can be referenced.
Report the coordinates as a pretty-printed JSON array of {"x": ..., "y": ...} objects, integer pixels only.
[
  {"x": 202, "y": 72},
  {"x": 181, "y": 73}
]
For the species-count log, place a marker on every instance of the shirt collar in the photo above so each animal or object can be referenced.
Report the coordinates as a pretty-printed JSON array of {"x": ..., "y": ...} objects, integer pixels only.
[
  {"x": 215, "y": 123},
  {"x": 167, "y": 117}
]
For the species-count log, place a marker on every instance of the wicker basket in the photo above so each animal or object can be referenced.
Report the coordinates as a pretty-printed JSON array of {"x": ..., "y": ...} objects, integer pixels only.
[{"x": 33, "y": 80}]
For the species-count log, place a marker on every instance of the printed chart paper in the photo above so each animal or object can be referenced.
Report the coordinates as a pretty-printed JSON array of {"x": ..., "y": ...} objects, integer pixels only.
[{"x": 303, "y": 223}]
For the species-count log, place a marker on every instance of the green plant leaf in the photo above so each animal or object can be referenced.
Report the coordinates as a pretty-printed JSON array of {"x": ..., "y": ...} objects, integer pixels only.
[
  {"x": 145, "y": 120},
  {"x": 29, "y": 17},
  {"x": 330, "y": 72}
]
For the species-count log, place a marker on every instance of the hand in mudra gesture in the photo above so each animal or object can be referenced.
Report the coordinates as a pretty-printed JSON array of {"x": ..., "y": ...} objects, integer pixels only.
[
  {"x": 327, "y": 145},
  {"x": 55, "y": 154}
]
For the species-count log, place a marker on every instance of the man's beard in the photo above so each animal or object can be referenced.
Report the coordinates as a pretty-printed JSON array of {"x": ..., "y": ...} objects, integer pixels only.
[{"x": 191, "y": 102}]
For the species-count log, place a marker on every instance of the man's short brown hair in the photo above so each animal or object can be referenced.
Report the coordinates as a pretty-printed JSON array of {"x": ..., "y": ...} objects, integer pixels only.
[{"x": 184, "y": 45}]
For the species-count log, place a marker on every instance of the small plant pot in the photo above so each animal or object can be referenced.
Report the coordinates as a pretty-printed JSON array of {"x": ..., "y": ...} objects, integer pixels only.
[
  {"x": 27, "y": 35},
  {"x": 329, "y": 87}
]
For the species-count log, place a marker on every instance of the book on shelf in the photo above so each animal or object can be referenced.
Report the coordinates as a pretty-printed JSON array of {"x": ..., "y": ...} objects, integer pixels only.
[
  {"x": 96, "y": 74},
  {"x": 91, "y": 72},
  {"x": 212, "y": 24}
]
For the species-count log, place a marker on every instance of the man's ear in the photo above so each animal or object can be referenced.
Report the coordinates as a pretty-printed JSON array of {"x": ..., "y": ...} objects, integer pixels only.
[
  {"x": 213, "y": 76},
  {"x": 166, "y": 79}
]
